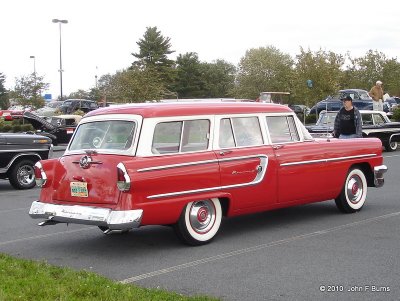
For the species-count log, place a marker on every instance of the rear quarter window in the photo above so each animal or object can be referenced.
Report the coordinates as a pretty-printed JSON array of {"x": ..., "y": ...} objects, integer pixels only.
[{"x": 282, "y": 129}]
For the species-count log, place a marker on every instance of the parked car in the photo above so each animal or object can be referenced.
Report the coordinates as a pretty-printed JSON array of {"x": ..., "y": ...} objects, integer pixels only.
[
  {"x": 71, "y": 105},
  {"x": 18, "y": 155},
  {"x": 301, "y": 110},
  {"x": 6, "y": 115},
  {"x": 189, "y": 164},
  {"x": 374, "y": 124},
  {"x": 361, "y": 100},
  {"x": 49, "y": 109},
  {"x": 392, "y": 103},
  {"x": 59, "y": 128}
]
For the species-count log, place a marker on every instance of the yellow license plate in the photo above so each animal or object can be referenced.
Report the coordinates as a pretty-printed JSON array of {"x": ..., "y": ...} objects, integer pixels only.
[{"x": 79, "y": 189}]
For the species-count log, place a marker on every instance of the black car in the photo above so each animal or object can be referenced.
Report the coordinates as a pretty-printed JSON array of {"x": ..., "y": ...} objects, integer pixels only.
[
  {"x": 18, "y": 155},
  {"x": 59, "y": 128},
  {"x": 374, "y": 124},
  {"x": 71, "y": 105}
]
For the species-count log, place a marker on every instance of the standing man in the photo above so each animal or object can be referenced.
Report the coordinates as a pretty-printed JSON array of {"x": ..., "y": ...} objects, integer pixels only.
[
  {"x": 348, "y": 121},
  {"x": 376, "y": 93}
]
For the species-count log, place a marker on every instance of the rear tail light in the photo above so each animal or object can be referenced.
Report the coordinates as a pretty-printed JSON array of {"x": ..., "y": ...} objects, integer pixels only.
[
  {"x": 123, "y": 179},
  {"x": 40, "y": 175}
]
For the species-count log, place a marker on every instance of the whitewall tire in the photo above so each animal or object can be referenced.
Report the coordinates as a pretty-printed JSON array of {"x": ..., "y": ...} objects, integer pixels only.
[
  {"x": 354, "y": 192},
  {"x": 199, "y": 222}
]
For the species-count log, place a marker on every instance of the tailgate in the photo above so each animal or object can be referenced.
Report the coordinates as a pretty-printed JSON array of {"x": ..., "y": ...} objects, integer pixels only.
[{"x": 86, "y": 179}]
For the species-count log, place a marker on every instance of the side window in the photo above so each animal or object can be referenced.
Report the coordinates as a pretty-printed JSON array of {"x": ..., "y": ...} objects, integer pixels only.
[
  {"x": 367, "y": 119},
  {"x": 240, "y": 131},
  {"x": 226, "y": 134},
  {"x": 378, "y": 119},
  {"x": 181, "y": 136},
  {"x": 93, "y": 105},
  {"x": 282, "y": 129},
  {"x": 247, "y": 131}
]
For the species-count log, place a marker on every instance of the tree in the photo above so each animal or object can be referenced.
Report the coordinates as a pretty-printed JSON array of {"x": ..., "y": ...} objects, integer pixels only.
[
  {"x": 4, "y": 103},
  {"x": 219, "y": 79},
  {"x": 153, "y": 53},
  {"x": 364, "y": 71},
  {"x": 189, "y": 81},
  {"x": 132, "y": 85},
  {"x": 391, "y": 77},
  {"x": 323, "y": 68},
  {"x": 80, "y": 94},
  {"x": 263, "y": 69},
  {"x": 28, "y": 90}
]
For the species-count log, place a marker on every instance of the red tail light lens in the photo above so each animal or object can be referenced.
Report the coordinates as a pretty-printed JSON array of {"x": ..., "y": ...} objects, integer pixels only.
[
  {"x": 123, "y": 179},
  {"x": 40, "y": 175}
]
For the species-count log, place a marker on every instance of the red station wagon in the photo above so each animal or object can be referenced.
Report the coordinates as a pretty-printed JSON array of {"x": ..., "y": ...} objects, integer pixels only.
[{"x": 190, "y": 164}]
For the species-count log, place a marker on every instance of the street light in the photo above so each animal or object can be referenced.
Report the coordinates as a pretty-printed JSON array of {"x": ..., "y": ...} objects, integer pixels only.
[
  {"x": 34, "y": 64},
  {"x": 61, "y": 71}
]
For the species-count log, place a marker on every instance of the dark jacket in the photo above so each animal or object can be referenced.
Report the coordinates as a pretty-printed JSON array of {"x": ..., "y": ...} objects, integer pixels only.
[{"x": 357, "y": 123}]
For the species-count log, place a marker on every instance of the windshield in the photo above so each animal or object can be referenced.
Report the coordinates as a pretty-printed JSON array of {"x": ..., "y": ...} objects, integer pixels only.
[
  {"x": 110, "y": 135},
  {"x": 326, "y": 119},
  {"x": 67, "y": 103},
  {"x": 54, "y": 105}
]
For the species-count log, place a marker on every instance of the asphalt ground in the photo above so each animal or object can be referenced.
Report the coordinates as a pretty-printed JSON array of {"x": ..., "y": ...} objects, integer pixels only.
[{"x": 310, "y": 252}]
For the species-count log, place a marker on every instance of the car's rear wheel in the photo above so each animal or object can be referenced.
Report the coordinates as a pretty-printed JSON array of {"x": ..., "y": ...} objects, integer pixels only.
[
  {"x": 22, "y": 175},
  {"x": 199, "y": 222},
  {"x": 391, "y": 146},
  {"x": 354, "y": 192}
]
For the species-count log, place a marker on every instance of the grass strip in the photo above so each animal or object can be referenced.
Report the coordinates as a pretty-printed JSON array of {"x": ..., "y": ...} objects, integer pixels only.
[{"x": 22, "y": 279}]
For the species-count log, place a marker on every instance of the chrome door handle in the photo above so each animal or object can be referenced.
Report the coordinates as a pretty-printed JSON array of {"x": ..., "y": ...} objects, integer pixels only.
[{"x": 223, "y": 153}]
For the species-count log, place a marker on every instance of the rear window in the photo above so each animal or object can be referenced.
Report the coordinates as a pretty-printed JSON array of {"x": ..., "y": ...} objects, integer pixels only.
[{"x": 109, "y": 135}]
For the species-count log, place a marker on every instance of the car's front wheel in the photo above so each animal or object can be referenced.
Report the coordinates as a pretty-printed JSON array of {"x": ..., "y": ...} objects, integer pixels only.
[
  {"x": 199, "y": 222},
  {"x": 354, "y": 192},
  {"x": 22, "y": 175}
]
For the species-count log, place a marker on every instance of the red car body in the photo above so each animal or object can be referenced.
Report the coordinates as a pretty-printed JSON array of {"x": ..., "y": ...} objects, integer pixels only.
[{"x": 145, "y": 179}]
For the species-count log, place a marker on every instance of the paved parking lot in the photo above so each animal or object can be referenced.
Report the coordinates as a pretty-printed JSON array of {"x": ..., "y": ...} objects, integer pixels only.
[{"x": 309, "y": 252}]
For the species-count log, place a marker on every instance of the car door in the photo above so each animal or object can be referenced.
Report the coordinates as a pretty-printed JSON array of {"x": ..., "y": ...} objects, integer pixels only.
[
  {"x": 302, "y": 173},
  {"x": 247, "y": 165}
]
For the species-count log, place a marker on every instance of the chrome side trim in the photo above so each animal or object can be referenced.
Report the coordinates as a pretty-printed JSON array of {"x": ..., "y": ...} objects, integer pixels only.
[
  {"x": 114, "y": 220},
  {"x": 378, "y": 175},
  {"x": 261, "y": 170},
  {"x": 25, "y": 150},
  {"x": 328, "y": 160},
  {"x": 162, "y": 167},
  {"x": 393, "y": 135}
]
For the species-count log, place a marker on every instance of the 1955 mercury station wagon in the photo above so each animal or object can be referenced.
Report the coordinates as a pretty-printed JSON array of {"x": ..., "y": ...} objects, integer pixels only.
[{"x": 190, "y": 164}]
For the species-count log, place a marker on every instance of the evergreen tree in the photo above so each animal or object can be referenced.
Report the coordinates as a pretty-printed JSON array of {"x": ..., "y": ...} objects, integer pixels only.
[{"x": 153, "y": 53}]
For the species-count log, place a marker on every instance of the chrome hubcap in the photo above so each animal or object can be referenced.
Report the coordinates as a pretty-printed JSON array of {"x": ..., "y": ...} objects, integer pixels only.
[
  {"x": 202, "y": 216},
  {"x": 26, "y": 175},
  {"x": 354, "y": 189}
]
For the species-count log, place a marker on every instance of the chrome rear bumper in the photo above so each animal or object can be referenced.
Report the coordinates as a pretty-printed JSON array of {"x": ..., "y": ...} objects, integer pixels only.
[
  {"x": 114, "y": 220},
  {"x": 378, "y": 175}
]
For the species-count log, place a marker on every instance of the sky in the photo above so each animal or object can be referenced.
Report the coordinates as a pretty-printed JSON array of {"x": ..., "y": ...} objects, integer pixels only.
[{"x": 101, "y": 35}]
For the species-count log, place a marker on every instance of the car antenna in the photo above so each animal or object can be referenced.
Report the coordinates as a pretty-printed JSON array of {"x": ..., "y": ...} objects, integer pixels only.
[{"x": 326, "y": 116}]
